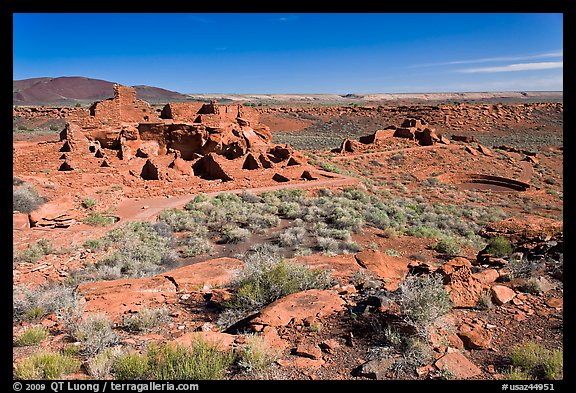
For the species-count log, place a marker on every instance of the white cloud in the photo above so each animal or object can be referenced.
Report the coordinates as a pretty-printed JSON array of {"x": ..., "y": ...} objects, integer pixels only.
[
  {"x": 516, "y": 67},
  {"x": 557, "y": 53}
]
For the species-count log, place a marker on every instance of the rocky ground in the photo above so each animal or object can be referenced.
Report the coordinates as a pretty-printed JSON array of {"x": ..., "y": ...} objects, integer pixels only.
[{"x": 359, "y": 326}]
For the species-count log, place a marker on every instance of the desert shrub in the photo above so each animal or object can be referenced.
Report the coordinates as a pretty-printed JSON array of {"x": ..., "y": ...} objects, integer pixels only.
[
  {"x": 95, "y": 333},
  {"x": 322, "y": 230},
  {"x": 424, "y": 231},
  {"x": 139, "y": 251},
  {"x": 97, "y": 219},
  {"x": 180, "y": 220},
  {"x": 46, "y": 365},
  {"x": 130, "y": 366},
  {"x": 89, "y": 202},
  {"x": 25, "y": 199},
  {"x": 537, "y": 361},
  {"x": 499, "y": 247},
  {"x": 234, "y": 234},
  {"x": 164, "y": 230},
  {"x": 327, "y": 245},
  {"x": 521, "y": 267},
  {"x": 266, "y": 277},
  {"x": 422, "y": 299},
  {"x": 201, "y": 360},
  {"x": 416, "y": 352},
  {"x": 255, "y": 354},
  {"x": 391, "y": 252},
  {"x": 516, "y": 374},
  {"x": 447, "y": 245},
  {"x": 145, "y": 319},
  {"x": 195, "y": 246},
  {"x": 32, "y": 303},
  {"x": 532, "y": 285},
  {"x": 100, "y": 366},
  {"x": 36, "y": 251},
  {"x": 484, "y": 301},
  {"x": 292, "y": 237},
  {"x": 393, "y": 337},
  {"x": 16, "y": 181},
  {"x": 31, "y": 336}
]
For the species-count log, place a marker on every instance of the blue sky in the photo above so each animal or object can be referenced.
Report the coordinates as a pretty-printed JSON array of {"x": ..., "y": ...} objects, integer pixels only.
[{"x": 296, "y": 53}]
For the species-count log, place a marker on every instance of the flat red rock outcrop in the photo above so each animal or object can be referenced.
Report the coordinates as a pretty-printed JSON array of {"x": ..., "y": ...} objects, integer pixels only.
[
  {"x": 458, "y": 365},
  {"x": 340, "y": 266},
  {"x": 198, "y": 276},
  {"x": 224, "y": 341},
  {"x": 298, "y": 307},
  {"x": 474, "y": 336},
  {"x": 389, "y": 268},
  {"x": 486, "y": 276},
  {"x": 117, "y": 297},
  {"x": 502, "y": 294}
]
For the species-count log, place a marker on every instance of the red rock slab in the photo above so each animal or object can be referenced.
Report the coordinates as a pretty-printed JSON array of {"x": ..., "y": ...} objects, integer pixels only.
[
  {"x": 484, "y": 150},
  {"x": 555, "y": 302},
  {"x": 341, "y": 266},
  {"x": 224, "y": 341},
  {"x": 272, "y": 339},
  {"x": 486, "y": 276},
  {"x": 297, "y": 307},
  {"x": 471, "y": 150},
  {"x": 210, "y": 273},
  {"x": 458, "y": 365},
  {"x": 389, "y": 268},
  {"x": 53, "y": 209},
  {"x": 464, "y": 290},
  {"x": 308, "y": 350},
  {"x": 475, "y": 336},
  {"x": 502, "y": 294},
  {"x": 20, "y": 221},
  {"x": 117, "y": 297}
]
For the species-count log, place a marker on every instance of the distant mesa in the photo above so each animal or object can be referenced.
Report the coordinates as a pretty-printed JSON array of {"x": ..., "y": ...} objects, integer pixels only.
[{"x": 71, "y": 90}]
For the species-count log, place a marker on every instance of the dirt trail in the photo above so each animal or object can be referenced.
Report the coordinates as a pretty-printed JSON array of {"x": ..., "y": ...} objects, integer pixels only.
[{"x": 145, "y": 209}]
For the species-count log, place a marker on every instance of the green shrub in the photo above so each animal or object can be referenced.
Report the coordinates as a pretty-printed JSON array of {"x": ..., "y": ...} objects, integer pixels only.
[
  {"x": 200, "y": 361},
  {"x": 516, "y": 374},
  {"x": 31, "y": 336},
  {"x": 266, "y": 278},
  {"x": 256, "y": 355},
  {"x": 140, "y": 251},
  {"x": 46, "y": 365},
  {"x": 145, "y": 319},
  {"x": 33, "y": 303},
  {"x": 499, "y": 247},
  {"x": 537, "y": 361},
  {"x": 97, "y": 219},
  {"x": 234, "y": 234},
  {"x": 95, "y": 333},
  {"x": 447, "y": 245},
  {"x": 130, "y": 366},
  {"x": 89, "y": 202},
  {"x": 423, "y": 299},
  {"x": 25, "y": 199},
  {"x": 36, "y": 251},
  {"x": 100, "y": 366},
  {"x": 197, "y": 246},
  {"x": 292, "y": 236}
]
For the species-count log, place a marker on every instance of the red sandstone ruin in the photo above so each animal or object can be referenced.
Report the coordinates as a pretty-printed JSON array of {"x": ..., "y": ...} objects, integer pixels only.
[{"x": 205, "y": 139}]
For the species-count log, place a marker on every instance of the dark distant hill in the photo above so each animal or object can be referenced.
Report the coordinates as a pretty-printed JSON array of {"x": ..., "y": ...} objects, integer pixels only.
[{"x": 71, "y": 90}]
